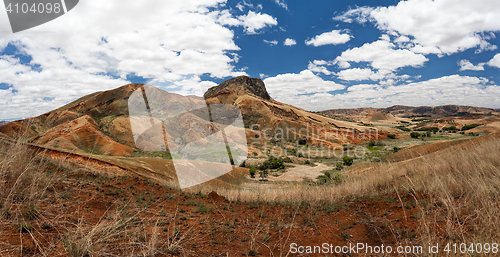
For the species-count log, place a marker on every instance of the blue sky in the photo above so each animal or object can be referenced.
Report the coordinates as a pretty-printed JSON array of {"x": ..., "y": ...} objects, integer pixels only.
[{"x": 317, "y": 54}]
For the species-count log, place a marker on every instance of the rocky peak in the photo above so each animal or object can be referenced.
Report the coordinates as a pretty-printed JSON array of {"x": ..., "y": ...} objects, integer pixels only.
[{"x": 240, "y": 85}]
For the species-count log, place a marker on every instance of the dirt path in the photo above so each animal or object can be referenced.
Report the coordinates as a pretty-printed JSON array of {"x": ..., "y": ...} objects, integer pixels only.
[{"x": 299, "y": 172}]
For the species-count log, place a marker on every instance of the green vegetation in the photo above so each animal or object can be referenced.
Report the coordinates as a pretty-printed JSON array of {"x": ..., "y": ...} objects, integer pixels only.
[
  {"x": 471, "y": 126},
  {"x": 272, "y": 163},
  {"x": 372, "y": 148},
  {"x": 415, "y": 135},
  {"x": 328, "y": 178},
  {"x": 403, "y": 128},
  {"x": 452, "y": 129},
  {"x": 252, "y": 172},
  {"x": 348, "y": 160},
  {"x": 391, "y": 136}
]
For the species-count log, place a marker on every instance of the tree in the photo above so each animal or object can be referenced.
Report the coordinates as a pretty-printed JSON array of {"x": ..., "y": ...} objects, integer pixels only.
[
  {"x": 414, "y": 135},
  {"x": 252, "y": 172}
]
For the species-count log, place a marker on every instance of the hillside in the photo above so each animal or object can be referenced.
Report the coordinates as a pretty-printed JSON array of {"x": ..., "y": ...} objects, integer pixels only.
[
  {"x": 99, "y": 123},
  {"x": 416, "y": 112}
]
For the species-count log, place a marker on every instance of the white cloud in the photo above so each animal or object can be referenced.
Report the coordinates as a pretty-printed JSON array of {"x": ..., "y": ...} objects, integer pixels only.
[
  {"x": 281, "y": 3},
  {"x": 359, "y": 14},
  {"x": 290, "y": 85},
  {"x": 187, "y": 86},
  {"x": 241, "y": 5},
  {"x": 333, "y": 37},
  {"x": 318, "y": 66},
  {"x": 289, "y": 42},
  {"x": 455, "y": 89},
  {"x": 382, "y": 56},
  {"x": 97, "y": 45},
  {"x": 360, "y": 74},
  {"x": 449, "y": 26},
  {"x": 467, "y": 65},
  {"x": 255, "y": 21},
  {"x": 271, "y": 42},
  {"x": 495, "y": 62}
]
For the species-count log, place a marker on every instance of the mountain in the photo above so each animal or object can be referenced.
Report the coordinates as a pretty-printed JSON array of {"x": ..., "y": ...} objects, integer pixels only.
[
  {"x": 99, "y": 123},
  {"x": 279, "y": 121},
  {"x": 241, "y": 85},
  {"x": 414, "y": 112}
]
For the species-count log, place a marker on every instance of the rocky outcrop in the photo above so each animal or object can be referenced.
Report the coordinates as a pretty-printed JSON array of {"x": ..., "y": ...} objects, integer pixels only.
[{"x": 240, "y": 86}]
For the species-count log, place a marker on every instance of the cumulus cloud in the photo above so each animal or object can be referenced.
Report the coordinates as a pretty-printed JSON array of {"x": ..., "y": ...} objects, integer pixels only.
[
  {"x": 381, "y": 55},
  {"x": 253, "y": 21},
  {"x": 429, "y": 23},
  {"x": 97, "y": 46},
  {"x": 289, "y": 42},
  {"x": 333, "y": 37},
  {"x": 360, "y": 74},
  {"x": 455, "y": 89},
  {"x": 319, "y": 66},
  {"x": 467, "y": 65},
  {"x": 285, "y": 86},
  {"x": 495, "y": 62}
]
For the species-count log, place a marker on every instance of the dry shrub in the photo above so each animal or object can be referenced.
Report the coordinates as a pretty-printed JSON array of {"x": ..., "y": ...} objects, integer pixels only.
[
  {"x": 98, "y": 240},
  {"x": 23, "y": 180}
]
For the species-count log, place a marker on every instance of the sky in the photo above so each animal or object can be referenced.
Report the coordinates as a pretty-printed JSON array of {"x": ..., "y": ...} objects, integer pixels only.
[{"x": 315, "y": 54}]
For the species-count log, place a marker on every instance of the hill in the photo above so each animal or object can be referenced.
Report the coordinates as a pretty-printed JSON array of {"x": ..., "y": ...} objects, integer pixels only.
[
  {"x": 99, "y": 123},
  {"x": 415, "y": 112}
]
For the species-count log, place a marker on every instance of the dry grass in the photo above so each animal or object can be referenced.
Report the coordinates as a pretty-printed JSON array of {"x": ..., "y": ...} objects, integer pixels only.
[
  {"x": 23, "y": 181},
  {"x": 461, "y": 187},
  {"x": 456, "y": 189}
]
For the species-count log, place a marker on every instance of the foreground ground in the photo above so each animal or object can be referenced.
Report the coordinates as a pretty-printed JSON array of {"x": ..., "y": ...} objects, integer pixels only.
[{"x": 52, "y": 208}]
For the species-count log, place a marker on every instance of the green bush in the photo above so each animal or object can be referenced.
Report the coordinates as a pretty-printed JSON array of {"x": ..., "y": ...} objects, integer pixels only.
[
  {"x": 471, "y": 126},
  {"x": 348, "y": 160},
  {"x": 403, "y": 128},
  {"x": 252, "y": 172},
  {"x": 452, "y": 128},
  {"x": 328, "y": 178},
  {"x": 371, "y": 143},
  {"x": 414, "y": 135},
  {"x": 391, "y": 136},
  {"x": 396, "y": 149},
  {"x": 272, "y": 163}
]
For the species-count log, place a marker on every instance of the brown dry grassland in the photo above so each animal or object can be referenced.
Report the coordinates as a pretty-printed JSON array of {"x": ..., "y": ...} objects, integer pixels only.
[{"x": 51, "y": 208}]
